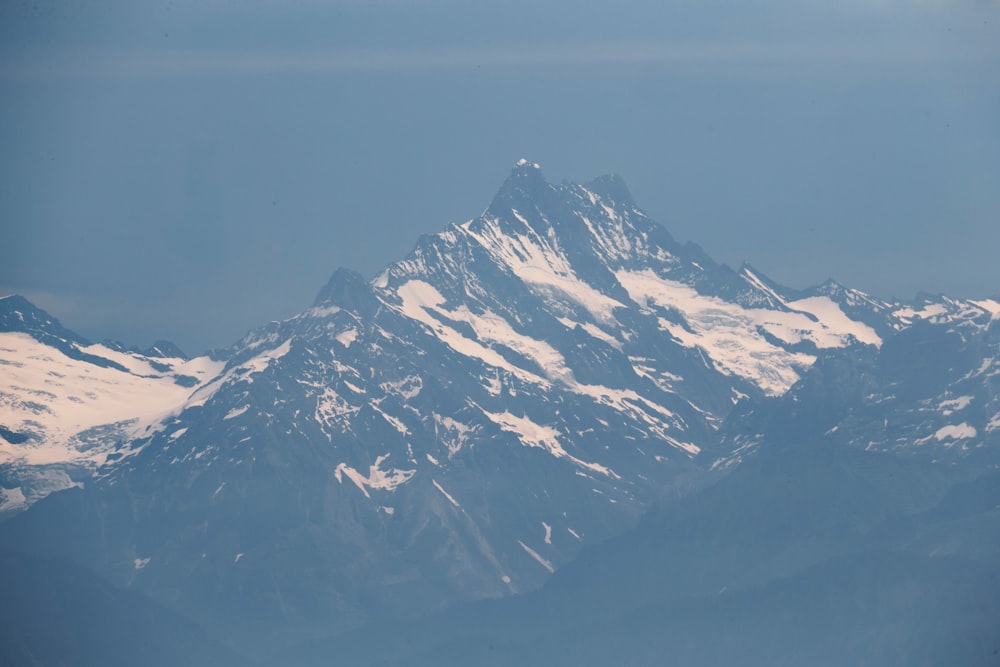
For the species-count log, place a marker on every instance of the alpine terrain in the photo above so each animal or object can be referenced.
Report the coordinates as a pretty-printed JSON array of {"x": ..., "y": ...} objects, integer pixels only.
[{"x": 554, "y": 386}]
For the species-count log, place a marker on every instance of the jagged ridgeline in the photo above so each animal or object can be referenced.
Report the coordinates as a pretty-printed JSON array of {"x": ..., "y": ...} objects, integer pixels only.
[{"x": 520, "y": 385}]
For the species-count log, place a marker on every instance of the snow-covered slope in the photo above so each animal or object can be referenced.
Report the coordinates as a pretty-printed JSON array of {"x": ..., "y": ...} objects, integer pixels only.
[
  {"x": 69, "y": 407},
  {"x": 931, "y": 392},
  {"x": 519, "y": 385}
]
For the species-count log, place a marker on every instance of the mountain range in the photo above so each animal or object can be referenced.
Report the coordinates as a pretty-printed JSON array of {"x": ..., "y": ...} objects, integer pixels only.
[{"x": 552, "y": 410}]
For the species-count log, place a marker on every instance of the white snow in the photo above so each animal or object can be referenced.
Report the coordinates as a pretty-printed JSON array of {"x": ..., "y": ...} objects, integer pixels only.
[
  {"x": 541, "y": 265},
  {"x": 759, "y": 284},
  {"x": 140, "y": 563},
  {"x": 573, "y": 533},
  {"x": 320, "y": 312},
  {"x": 534, "y": 554},
  {"x": 12, "y": 499},
  {"x": 994, "y": 423},
  {"x": 617, "y": 239},
  {"x": 952, "y": 405},
  {"x": 991, "y": 306},
  {"x": 347, "y": 337},
  {"x": 386, "y": 480},
  {"x": 836, "y": 325},
  {"x": 393, "y": 421},
  {"x": 543, "y": 437},
  {"x": 421, "y": 301},
  {"x": 446, "y": 494},
  {"x": 733, "y": 336},
  {"x": 243, "y": 372},
  {"x": 955, "y": 432},
  {"x": 333, "y": 411},
  {"x": 238, "y": 557},
  {"x": 451, "y": 433},
  {"x": 548, "y": 532},
  {"x": 262, "y": 361},
  {"x": 408, "y": 387},
  {"x": 593, "y": 330},
  {"x": 235, "y": 412},
  {"x": 54, "y": 397},
  {"x": 929, "y": 311}
]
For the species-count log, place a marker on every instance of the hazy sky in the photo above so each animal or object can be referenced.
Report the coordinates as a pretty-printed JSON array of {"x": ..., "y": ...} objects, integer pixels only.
[{"x": 188, "y": 170}]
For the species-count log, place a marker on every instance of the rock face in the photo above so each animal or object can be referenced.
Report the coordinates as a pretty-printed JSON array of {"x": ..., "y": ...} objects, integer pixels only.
[{"x": 521, "y": 384}]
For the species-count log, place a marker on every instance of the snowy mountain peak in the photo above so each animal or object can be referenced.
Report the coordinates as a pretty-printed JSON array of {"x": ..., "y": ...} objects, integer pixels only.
[
  {"x": 19, "y": 314},
  {"x": 517, "y": 385},
  {"x": 525, "y": 185}
]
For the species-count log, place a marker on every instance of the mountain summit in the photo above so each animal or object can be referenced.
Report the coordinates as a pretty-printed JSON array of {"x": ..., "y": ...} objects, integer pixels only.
[{"x": 519, "y": 385}]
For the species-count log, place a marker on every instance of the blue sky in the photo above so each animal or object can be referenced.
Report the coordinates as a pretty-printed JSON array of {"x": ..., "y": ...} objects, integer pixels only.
[{"x": 187, "y": 170}]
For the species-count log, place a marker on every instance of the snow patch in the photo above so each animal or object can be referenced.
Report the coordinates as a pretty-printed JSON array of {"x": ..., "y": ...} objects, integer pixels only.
[
  {"x": 992, "y": 306},
  {"x": 955, "y": 432},
  {"x": 420, "y": 299},
  {"x": 994, "y": 423},
  {"x": 332, "y": 410},
  {"x": 534, "y": 554},
  {"x": 345, "y": 338},
  {"x": 451, "y": 433},
  {"x": 542, "y": 437},
  {"x": 541, "y": 265},
  {"x": 954, "y": 405},
  {"x": 422, "y": 302},
  {"x": 836, "y": 325},
  {"x": 12, "y": 499},
  {"x": 594, "y": 330},
  {"x": 236, "y": 412},
  {"x": 386, "y": 480},
  {"x": 446, "y": 494},
  {"x": 929, "y": 311},
  {"x": 242, "y": 373},
  {"x": 408, "y": 387},
  {"x": 320, "y": 312}
]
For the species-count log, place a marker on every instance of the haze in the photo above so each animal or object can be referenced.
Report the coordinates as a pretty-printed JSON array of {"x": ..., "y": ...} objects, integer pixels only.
[{"x": 188, "y": 170}]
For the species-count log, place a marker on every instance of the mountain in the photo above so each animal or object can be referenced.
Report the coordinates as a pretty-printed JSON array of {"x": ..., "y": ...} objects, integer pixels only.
[
  {"x": 931, "y": 391},
  {"x": 522, "y": 384},
  {"x": 54, "y": 612},
  {"x": 70, "y": 407},
  {"x": 814, "y": 554}
]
